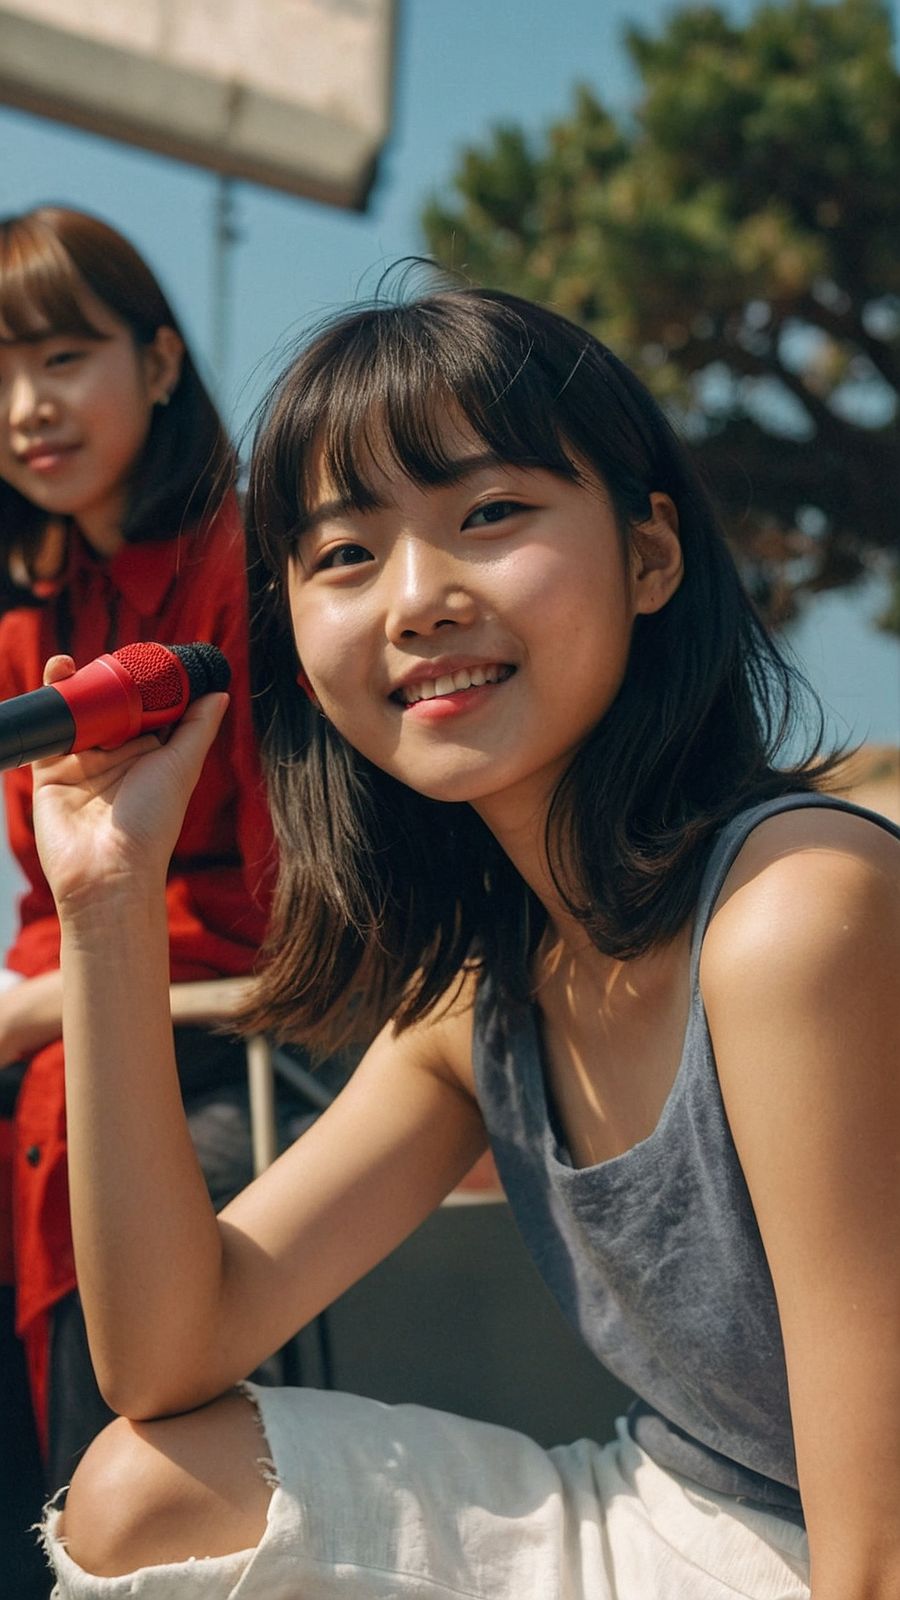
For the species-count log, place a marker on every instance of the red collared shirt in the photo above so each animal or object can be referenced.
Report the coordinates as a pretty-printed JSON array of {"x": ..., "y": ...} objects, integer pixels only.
[{"x": 176, "y": 591}]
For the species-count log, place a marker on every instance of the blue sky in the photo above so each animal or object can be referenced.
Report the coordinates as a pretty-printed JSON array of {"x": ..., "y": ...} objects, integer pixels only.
[{"x": 461, "y": 68}]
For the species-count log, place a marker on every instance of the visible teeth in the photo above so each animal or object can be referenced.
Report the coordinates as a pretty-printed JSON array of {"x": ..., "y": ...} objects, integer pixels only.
[{"x": 465, "y": 678}]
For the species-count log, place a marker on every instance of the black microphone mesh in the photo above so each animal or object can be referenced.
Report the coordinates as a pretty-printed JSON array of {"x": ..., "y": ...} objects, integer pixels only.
[{"x": 207, "y": 670}]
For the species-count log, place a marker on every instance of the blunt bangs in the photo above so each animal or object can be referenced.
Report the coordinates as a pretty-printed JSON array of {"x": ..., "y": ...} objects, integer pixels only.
[
  {"x": 40, "y": 286},
  {"x": 387, "y": 406},
  {"x": 50, "y": 256},
  {"x": 373, "y": 393}
]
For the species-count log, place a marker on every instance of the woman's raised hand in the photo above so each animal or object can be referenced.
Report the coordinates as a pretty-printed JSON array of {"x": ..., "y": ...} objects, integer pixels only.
[{"x": 111, "y": 818}]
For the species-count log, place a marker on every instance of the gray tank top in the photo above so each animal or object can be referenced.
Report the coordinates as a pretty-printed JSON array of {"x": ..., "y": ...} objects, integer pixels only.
[{"x": 655, "y": 1255}]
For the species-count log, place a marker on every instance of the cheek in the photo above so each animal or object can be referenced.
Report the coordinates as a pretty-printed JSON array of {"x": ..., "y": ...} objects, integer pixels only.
[
  {"x": 116, "y": 406},
  {"x": 123, "y": 431},
  {"x": 335, "y": 657},
  {"x": 323, "y": 639},
  {"x": 568, "y": 599},
  {"x": 583, "y": 638}
]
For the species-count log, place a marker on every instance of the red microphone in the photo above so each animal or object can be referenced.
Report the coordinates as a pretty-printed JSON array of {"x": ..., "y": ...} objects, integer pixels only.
[{"x": 113, "y": 699}]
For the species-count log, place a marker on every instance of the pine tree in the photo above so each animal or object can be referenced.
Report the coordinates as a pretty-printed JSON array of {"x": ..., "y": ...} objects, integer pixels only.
[{"x": 738, "y": 241}]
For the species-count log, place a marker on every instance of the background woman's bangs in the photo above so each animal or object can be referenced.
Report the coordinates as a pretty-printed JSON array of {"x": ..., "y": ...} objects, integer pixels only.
[{"x": 41, "y": 288}]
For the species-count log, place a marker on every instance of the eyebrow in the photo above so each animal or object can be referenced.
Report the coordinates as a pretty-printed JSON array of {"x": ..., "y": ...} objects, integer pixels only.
[
  {"x": 33, "y": 336},
  {"x": 44, "y": 335},
  {"x": 451, "y": 472}
]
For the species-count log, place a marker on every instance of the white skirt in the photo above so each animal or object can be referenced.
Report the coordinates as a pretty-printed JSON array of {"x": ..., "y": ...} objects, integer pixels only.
[{"x": 376, "y": 1502}]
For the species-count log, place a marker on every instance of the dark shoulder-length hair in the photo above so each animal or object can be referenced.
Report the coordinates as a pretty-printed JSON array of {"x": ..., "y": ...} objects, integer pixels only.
[
  {"x": 48, "y": 256},
  {"x": 384, "y": 895}
]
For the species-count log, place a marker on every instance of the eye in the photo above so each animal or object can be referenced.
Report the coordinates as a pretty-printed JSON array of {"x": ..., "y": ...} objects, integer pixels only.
[
  {"x": 64, "y": 358},
  {"x": 492, "y": 512},
  {"x": 343, "y": 555}
]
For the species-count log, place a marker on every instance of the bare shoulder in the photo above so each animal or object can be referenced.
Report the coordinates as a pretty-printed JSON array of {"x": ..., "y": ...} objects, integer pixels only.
[
  {"x": 799, "y": 982},
  {"x": 814, "y": 890}
]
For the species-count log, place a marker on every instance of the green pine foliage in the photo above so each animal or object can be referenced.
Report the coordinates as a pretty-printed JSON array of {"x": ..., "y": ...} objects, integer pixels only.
[{"x": 738, "y": 241}]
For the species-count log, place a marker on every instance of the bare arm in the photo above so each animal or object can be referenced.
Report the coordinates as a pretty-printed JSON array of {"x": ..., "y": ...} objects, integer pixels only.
[
  {"x": 180, "y": 1303},
  {"x": 31, "y": 1011},
  {"x": 799, "y": 977},
  {"x": 207, "y": 1001},
  {"x": 30, "y": 1016}
]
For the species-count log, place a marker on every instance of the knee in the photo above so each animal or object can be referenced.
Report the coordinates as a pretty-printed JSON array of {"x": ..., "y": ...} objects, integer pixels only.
[
  {"x": 121, "y": 1491},
  {"x": 147, "y": 1493}
]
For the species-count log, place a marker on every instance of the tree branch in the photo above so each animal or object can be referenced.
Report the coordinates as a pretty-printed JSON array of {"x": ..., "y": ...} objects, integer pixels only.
[
  {"x": 848, "y": 325},
  {"x": 826, "y": 421}
]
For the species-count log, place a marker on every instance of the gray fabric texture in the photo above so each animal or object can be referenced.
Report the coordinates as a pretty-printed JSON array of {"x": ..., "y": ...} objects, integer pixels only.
[{"x": 655, "y": 1255}]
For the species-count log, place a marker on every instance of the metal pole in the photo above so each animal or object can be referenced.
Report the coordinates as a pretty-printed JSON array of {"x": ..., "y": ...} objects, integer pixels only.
[
  {"x": 225, "y": 236},
  {"x": 261, "y": 1083}
]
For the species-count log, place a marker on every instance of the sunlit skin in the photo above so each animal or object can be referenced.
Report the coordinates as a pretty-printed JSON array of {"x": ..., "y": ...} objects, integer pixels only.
[
  {"x": 74, "y": 417},
  {"x": 516, "y": 575}
]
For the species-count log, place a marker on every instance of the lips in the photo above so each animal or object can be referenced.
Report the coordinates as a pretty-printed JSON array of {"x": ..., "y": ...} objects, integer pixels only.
[
  {"x": 46, "y": 455},
  {"x": 474, "y": 677}
]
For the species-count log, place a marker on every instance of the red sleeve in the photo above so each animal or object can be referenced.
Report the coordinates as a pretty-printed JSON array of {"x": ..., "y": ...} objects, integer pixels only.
[
  {"x": 36, "y": 948},
  {"x": 219, "y": 884}
]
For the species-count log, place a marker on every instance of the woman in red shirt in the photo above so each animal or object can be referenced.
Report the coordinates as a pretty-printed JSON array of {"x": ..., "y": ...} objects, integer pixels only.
[{"x": 118, "y": 523}]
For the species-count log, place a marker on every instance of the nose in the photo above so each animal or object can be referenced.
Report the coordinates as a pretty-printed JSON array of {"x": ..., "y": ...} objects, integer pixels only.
[
  {"x": 426, "y": 589},
  {"x": 28, "y": 403}
]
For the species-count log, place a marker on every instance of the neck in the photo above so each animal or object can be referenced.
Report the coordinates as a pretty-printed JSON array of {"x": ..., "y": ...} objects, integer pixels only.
[
  {"x": 520, "y": 825},
  {"x": 103, "y": 532}
]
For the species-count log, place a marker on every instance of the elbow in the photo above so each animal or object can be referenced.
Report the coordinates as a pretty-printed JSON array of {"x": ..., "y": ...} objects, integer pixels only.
[
  {"x": 145, "y": 1370},
  {"x": 148, "y": 1394},
  {"x": 133, "y": 1398}
]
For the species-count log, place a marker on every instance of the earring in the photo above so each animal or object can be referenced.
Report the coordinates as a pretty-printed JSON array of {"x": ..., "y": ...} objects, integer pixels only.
[{"x": 164, "y": 399}]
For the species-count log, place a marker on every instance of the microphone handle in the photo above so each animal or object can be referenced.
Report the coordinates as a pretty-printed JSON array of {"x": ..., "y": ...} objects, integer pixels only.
[
  {"x": 34, "y": 725},
  {"x": 100, "y": 705}
]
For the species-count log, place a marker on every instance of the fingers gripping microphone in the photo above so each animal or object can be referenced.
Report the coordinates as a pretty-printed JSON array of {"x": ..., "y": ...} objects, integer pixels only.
[{"x": 113, "y": 699}]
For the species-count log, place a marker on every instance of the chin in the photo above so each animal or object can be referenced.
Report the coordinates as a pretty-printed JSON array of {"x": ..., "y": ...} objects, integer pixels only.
[
  {"x": 450, "y": 792},
  {"x": 455, "y": 788}
]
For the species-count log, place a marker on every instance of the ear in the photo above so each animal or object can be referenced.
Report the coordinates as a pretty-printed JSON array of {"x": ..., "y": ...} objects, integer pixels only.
[
  {"x": 162, "y": 364},
  {"x": 656, "y": 563}
]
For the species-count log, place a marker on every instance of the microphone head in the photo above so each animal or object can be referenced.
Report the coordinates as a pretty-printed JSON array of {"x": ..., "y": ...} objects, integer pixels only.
[
  {"x": 154, "y": 672},
  {"x": 207, "y": 670},
  {"x": 158, "y": 672}
]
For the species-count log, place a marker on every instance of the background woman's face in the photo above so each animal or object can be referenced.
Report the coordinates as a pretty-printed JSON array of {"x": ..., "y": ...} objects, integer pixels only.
[{"x": 74, "y": 417}]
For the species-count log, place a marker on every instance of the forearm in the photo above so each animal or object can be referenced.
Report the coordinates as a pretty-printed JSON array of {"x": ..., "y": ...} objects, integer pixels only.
[
  {"x": 30, "y": 1016},
  {"x": 146, "y": 1239},
  {"x": 207, "y": 1002}
]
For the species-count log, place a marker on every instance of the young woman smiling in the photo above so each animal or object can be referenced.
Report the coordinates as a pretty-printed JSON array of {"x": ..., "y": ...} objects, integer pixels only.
[{"x": 534, "y": 829}]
